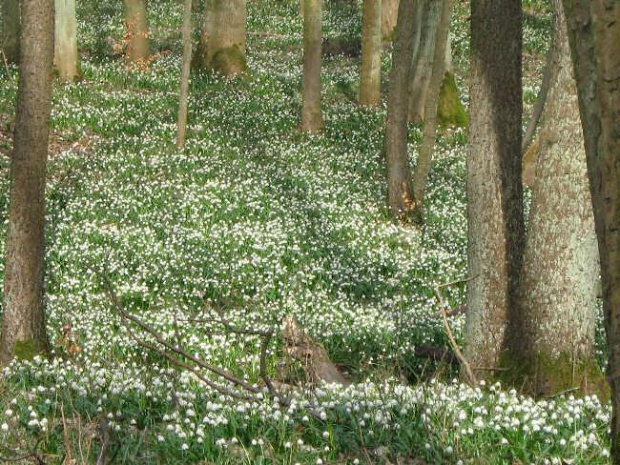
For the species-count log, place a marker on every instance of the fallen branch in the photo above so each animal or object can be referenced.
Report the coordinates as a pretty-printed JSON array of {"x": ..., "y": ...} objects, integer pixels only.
[
  {"x": 34, "y": 455},
  {"x": 255, "y": 392},
  {"x": 455, "y": 347}
]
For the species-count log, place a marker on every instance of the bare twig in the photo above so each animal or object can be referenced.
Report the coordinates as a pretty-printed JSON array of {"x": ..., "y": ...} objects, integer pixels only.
[
  {"x": 282, "y": 399},
  {"x": 6, "y": 63},
  {"x": 459, "y": 355},
  {"x": 160, "y": 340},
  {"x": 34, "y": 455}
]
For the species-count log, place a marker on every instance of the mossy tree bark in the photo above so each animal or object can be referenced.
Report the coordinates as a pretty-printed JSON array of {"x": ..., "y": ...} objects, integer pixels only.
[
  {"x": 23, "y": 322},
  {"x": 311, "y": 112},
  {"x": 594, "y": 35},
  {"x": 389, "y": 18},
  {"x": 137, "y": 32},
  {"x": 370, "y": 76},
  {"x": 425, "y": 157},
  {"x": 494, "y": 190},
  {"x": 424, "y": 57},
  {"x": 223, "y": 37},
  {"x": 451, "y": 110},
  {"x": 185, "y": 70},
  {"x": 399, "y": 191},
  {"x": 561, "y": 265},
  {"x": 65, "y": 44},
  {"x": 10, "y": 30}
]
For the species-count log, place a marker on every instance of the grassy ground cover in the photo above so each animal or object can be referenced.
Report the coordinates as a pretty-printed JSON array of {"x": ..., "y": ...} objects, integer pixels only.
[{"x": 255, "y": 220}]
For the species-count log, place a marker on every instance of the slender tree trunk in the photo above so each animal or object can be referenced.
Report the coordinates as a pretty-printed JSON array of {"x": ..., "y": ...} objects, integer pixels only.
[
  {"x": 594, "y": 35},
  {"x": 561, "y": 265},
  {"x": 65, "y": 44},
  {"x": 494, "y": 191},
  {"x": 23, "y": 323},
  {"x": 425, "y": 157},
  {"x": 10, "y": 30},
  {"x": 370, "y": 78},
  {"x": 311, "y": 113},
  {"x": 223, "y": 37},
  {"x": 389, "y": 17},
  {"x": 187, "y": 61},
  {"x": 137, "y": 32},
  {"x": 528, "y": 136},
  {"x": 424, "y": 59},
  {"x": 399, "y": 193}
]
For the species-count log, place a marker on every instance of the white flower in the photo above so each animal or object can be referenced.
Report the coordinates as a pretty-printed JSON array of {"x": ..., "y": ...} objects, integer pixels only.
[{"x": 4, "y": 427}]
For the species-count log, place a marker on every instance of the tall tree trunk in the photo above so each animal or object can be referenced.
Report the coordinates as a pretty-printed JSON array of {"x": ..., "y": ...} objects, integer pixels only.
[
  {"x": 389, "y": 17},
  {"x": 541, "y": 99},
  {"x": 223, "y": 37},
  {"x": 23, "y": 322},
  {"x": 370, "y": 78},
  {"x": 399, "y": 193},
  {"x": 10, "y": 30},
  {"x": 561, "y": 265},
  {"x": 494, "y": 191},
  {"x": 187, "y": 61},
  {"x": 311, "y": 113},
  {"x": 137, "y": 32},
  {"x": 425, "y": 157},
  {"x": 424, "y": 59},
  {"x": 594, "y": 35},
  {"x": 65, "y": 44}
]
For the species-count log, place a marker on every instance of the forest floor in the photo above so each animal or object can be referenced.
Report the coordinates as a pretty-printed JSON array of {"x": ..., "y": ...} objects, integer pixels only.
[{"x": 254, "y": 221}]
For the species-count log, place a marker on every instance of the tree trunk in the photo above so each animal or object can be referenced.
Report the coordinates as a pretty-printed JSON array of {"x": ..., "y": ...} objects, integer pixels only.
[
  {"x": 65, "y": 44},
  {"x": 594, "y": 34},
  {"x": 10, "y": 30},
  {"x": 494, "y": 191},
  {"x": 561, "y": 265},
  {"x": 187, "y": 61},
  {"x": 223, "y": 37},
  {"x": 23, "y": 323},
  {"x": 137, "y": 33},
  {"x": 424, "y": 59},
  {"x": 389, "y": 17},
  {"x": 400, "y": 196},
  {"x": 311, "y": 113},
  {"x": 425, "y": 157},
  {"x": 370, "y": 78},
  {"x": 541, "y": 99}
]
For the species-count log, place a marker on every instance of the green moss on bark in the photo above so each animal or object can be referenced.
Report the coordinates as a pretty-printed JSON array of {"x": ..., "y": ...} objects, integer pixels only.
[
  {"x": 450, "y": 111},
  {"x": 229, "y": 61},
  {"x": 550, "y": 375},
  {"x": 28, "y": 349}
]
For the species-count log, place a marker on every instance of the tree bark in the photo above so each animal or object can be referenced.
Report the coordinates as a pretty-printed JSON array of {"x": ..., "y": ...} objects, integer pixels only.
[
  {"x": 187, "y": 61},
  {"x": 65, "y": 44},
  {"x": 561, "y": 265},
  {"x": 10, "y": 30},
  {"x": 23, "y": 323},
  {"x": 370, "y": 77},
  {"x": 399, "y": 193},
  {"x": 594, "y": 35},
  {"x": 223, "y": 37},
  {"x": 425, "y": 157},
  {"x": 311, "y": 113},
  {"x": 137, "y": 33},
  {"x": 528, "y": 136},
  {"x": 389, "y": 18},
  {"x": 424, "y": 58},
  {"x": 494, "y": 191}
]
